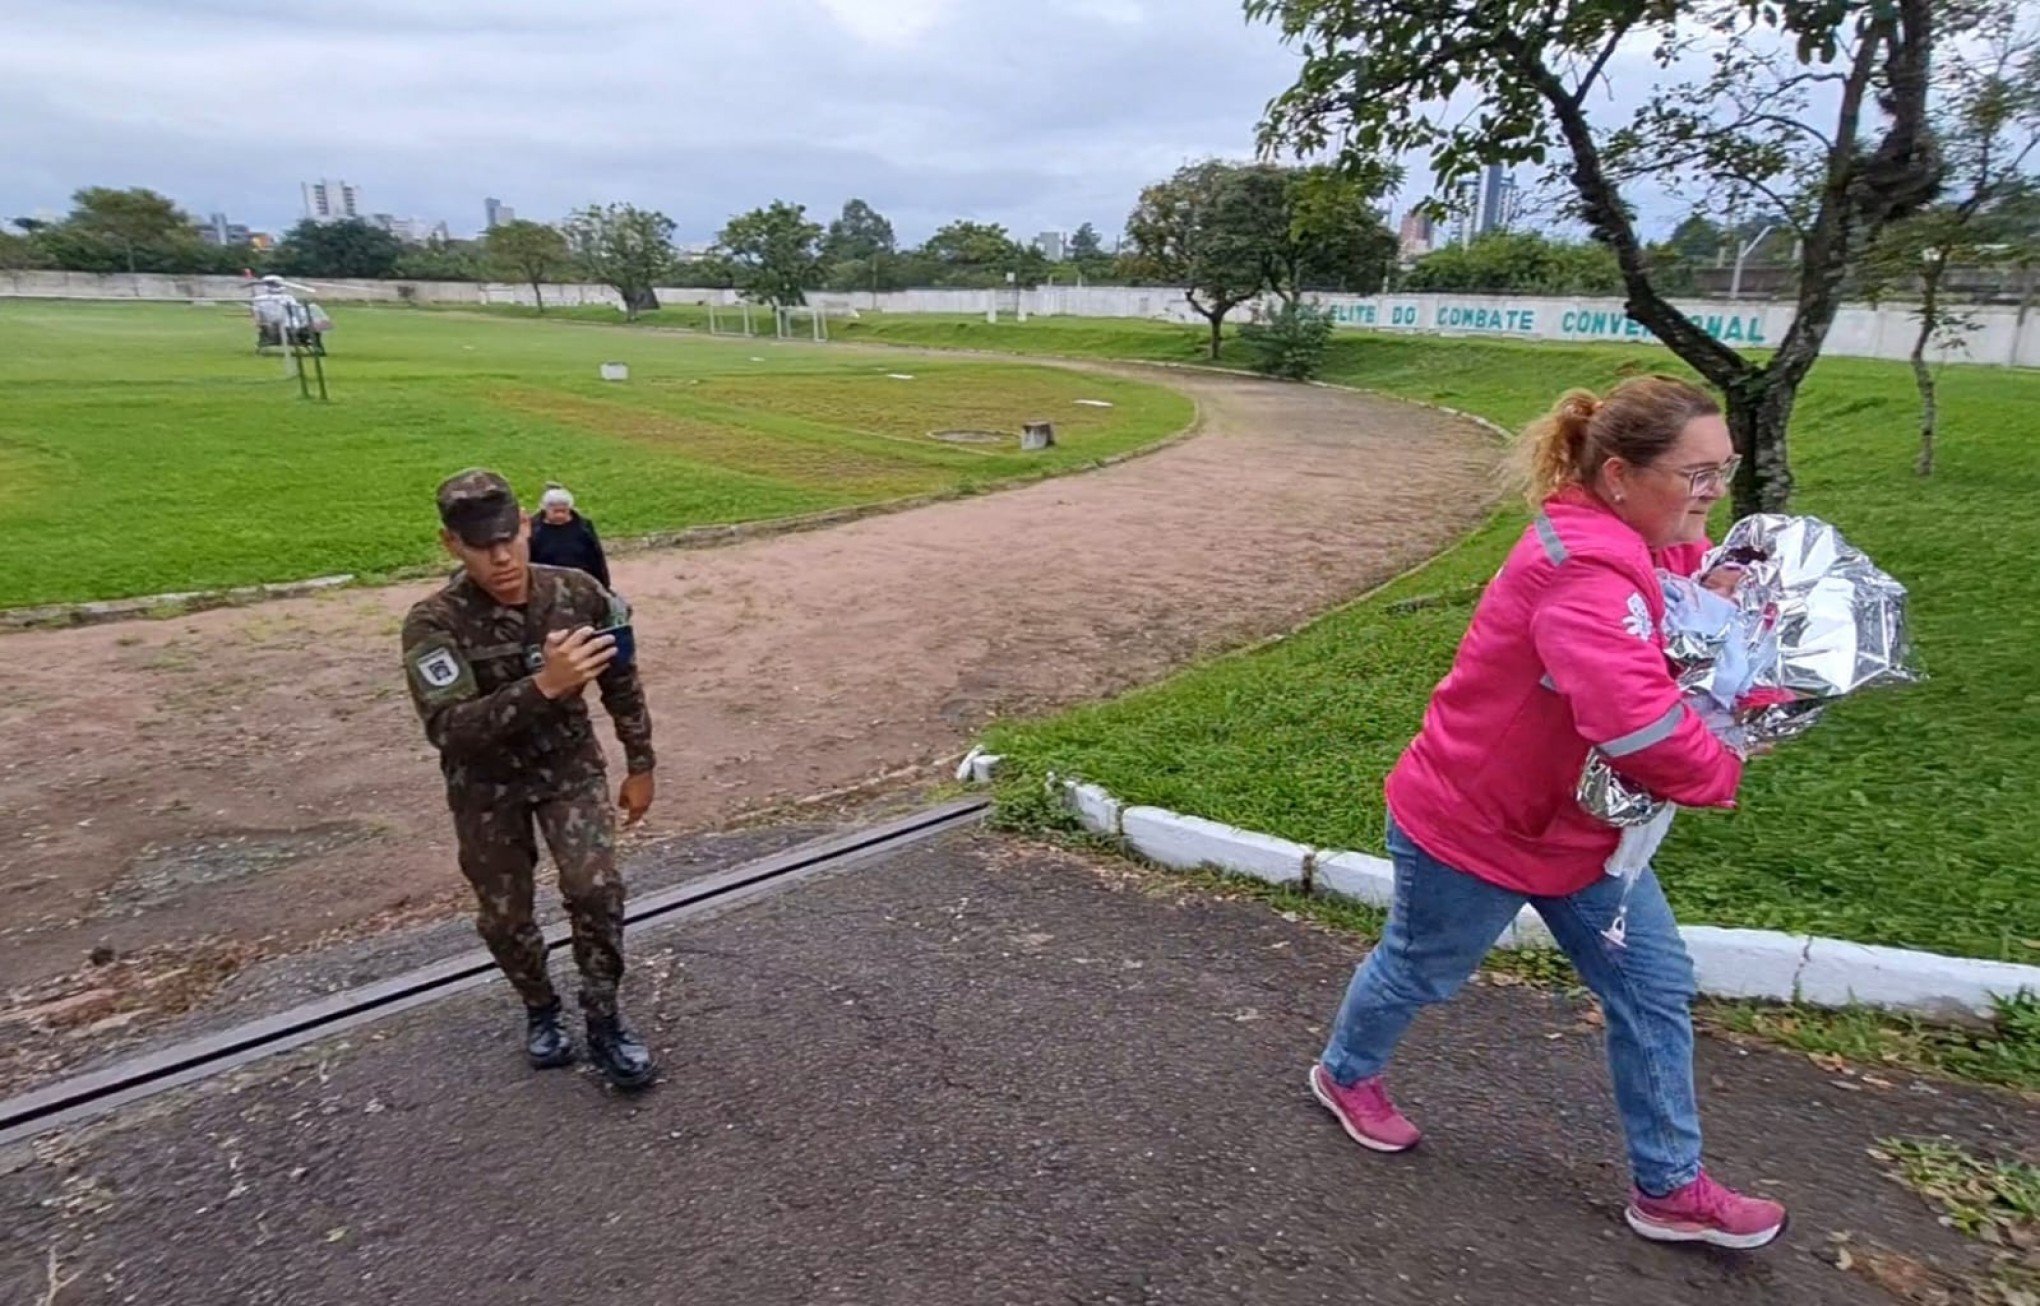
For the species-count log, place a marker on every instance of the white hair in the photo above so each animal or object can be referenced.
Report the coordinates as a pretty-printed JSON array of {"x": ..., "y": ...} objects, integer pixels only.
[{"x": 556, "y": 496}]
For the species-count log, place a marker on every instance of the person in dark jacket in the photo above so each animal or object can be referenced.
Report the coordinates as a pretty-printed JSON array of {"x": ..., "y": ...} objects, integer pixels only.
[{"x": 561, "y": 537}]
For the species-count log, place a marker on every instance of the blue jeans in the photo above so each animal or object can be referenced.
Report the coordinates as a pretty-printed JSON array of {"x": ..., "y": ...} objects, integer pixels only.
[{"x": 1442, "y": 923}]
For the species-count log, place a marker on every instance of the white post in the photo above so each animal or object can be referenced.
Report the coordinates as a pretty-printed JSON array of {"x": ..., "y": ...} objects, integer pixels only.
[{"x": 1741, "y": 256}]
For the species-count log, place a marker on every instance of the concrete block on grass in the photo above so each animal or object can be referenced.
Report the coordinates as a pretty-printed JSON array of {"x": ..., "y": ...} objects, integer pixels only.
[
  {"x": 1745, "y": 963},
  {"x": 1839, "y": 974},
  {"x": 1096, "y": 809},
  {"x": 1358, "y": 876},
  {"x": 1189, "y": 843}
]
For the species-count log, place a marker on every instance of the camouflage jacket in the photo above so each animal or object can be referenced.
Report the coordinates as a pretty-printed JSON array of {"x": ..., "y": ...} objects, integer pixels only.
[{"x": 469, "y": 661}]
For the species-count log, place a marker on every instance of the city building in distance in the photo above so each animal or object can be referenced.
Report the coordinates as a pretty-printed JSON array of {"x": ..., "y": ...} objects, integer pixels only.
[
  {"x": 331, "y": 201},
  {"x": 1418, "y": 233},
  {"x": 412, "y": 231},
  {"x": 1486, "y": 205},
  {"x": 216, "y": 230}
]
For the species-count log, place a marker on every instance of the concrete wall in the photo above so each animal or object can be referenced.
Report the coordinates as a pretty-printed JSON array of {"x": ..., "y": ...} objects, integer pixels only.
[
  {"x": 1859, "y": 331},
  {"x": 37, "y": 284},
  {"x": 2000, "y": 336}
]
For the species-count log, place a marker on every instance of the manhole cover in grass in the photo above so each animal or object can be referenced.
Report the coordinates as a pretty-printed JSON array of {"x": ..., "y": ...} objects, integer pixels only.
[{"x": 973, "y": 437}]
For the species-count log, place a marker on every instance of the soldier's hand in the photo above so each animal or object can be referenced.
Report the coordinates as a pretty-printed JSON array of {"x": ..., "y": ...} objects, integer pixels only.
[
  {"x": 572, "y": 659},
  {"x": 635, "y": 798}
]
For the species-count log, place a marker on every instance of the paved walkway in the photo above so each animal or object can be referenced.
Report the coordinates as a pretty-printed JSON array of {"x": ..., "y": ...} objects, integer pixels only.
[{"x": 980, "y": 1072}]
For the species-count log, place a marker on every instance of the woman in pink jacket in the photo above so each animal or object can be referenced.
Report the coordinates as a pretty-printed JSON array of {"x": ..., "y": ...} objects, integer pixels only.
[{"x": 1565, "y": 654}]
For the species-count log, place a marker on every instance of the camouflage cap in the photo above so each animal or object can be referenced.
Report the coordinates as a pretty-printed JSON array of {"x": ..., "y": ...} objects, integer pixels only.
[{"x": 479, "y": 506}]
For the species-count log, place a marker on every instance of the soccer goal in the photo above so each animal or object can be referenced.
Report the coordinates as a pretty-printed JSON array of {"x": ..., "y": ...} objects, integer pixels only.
[
  {"x": 797, "y": 321},
  {"x": 731, "y": 320}
]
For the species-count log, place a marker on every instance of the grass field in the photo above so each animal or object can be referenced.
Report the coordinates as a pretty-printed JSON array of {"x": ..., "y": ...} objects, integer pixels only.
[
  {"x": 145, "y": 448},
  {"x": 1908, "y": 817}
]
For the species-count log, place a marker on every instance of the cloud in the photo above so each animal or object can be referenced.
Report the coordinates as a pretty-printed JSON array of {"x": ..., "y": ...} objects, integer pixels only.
[{"x": 1040, "y": 115}]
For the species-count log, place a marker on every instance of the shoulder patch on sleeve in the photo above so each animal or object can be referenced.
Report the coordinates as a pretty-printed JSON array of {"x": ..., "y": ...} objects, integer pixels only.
[{"x": 443, "y": 675}]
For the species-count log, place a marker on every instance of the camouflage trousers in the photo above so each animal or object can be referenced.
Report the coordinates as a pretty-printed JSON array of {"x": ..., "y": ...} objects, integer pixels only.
[{"x": 499, "y": 856}]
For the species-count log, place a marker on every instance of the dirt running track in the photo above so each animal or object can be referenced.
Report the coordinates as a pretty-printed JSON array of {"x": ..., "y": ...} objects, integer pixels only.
[{"x": 257, "y": 774}]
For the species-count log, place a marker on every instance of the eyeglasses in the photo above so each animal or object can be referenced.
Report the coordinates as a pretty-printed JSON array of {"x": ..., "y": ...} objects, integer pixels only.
[{"x": 1704, "y": 480}]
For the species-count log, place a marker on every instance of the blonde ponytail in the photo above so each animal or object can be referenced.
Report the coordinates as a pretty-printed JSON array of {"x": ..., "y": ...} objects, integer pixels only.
[
  {"x": 1549, "y": 451},
  {"x": 1637, "y": 421}
]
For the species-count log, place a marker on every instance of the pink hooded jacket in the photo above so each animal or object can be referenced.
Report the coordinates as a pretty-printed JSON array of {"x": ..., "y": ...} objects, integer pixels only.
[{"x": 1565, "y": 652}]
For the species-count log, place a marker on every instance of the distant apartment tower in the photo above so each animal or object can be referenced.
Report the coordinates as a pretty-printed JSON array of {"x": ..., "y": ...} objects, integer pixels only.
[
  {"x": 1487, "y": 205},
  {"x": 412, "y": 231},
  {"x": 331, "y": 201},
  {"x": 1053, "y": 245},
  {"x": 216, "y": 230},
  {"x": 496, "y": 213},
  {"x": 1498, "y": 199},
  {"x": 1418, "y": 233}
]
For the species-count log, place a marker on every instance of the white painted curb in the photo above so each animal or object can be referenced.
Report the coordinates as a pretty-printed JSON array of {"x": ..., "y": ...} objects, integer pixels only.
[
  {"x": 978, "y": 767},
  {"x": 1096, "y": 810},
  {"x": 1357, "y": 876},
  {"x": 1727, "y": 963},
  {"x": 1189, "y": 843}
]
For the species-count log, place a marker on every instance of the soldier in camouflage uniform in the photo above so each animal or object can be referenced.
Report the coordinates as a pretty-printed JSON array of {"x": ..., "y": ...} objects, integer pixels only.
[{"x": 498, "y": 662}]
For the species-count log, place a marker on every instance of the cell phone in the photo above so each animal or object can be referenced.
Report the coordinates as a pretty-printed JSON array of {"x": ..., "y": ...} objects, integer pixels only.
[{"x": 626, "y": 642}]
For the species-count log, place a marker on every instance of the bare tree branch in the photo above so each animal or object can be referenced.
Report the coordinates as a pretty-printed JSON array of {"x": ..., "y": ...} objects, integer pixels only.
[{"x": 1600, "y": 64}]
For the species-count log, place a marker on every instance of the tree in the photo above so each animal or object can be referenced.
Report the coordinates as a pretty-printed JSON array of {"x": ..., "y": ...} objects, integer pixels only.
[
  {"x": 440, "y": 259},
  {"x": 626, "y": 248},
  {"x": 132, "y": 220},
  {"x": 858, "y": 248},
  {"x": 774, "y": 253},
  {"x": 530, "y": 252},
  {"x": 1085, "y": 246},
  {"x": 1986, "y": 116},
  {"x": 1087, "y": 253},
  {"x": 1517, "y": 263},
  {"x": 858, "y": 233},
  {"x": 1698, "y": 239},
  {"x": 709, "y": 272},
  {"x": 18, "y": 252},
  {"x": 880, "y": 272},
  {"x": 1291, "y": 344},
  {"x": 1379, "y": 80},
  {"x": 348, "y": 248},
  {"x": 1206, "y": 229},
  {"x": 966, "y": 253},
  {"x": 1329, "y": 234}
]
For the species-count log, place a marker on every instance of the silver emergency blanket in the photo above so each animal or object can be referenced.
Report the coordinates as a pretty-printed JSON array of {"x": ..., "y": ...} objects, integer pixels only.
[{"x": 1809, "y": 620}]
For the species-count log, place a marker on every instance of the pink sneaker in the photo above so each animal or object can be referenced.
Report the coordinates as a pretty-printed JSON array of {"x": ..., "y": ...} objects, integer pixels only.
[
  {"x": 1705, "y": 1212},
  {"x": 1365, "y": 1112}
]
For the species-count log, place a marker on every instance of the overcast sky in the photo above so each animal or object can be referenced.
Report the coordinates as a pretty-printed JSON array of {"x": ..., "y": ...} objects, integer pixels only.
[{"x": 1038, "y": 114}]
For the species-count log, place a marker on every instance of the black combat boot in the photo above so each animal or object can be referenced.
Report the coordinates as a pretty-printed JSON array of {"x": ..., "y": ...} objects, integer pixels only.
[
  {"x": 618, "y": 1053},
  {"x": 545, "y": 1038}
]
